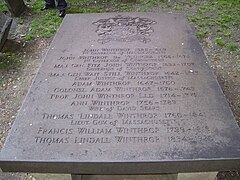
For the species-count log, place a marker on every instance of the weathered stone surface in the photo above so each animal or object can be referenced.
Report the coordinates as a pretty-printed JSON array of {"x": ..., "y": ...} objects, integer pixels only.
[
  {"x": 124, "y": 93},
  {"x": 4, "y": 31}
]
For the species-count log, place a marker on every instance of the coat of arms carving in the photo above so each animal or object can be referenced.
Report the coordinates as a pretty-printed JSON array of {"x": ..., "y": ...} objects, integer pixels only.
[{"x": 124, "y": 29}]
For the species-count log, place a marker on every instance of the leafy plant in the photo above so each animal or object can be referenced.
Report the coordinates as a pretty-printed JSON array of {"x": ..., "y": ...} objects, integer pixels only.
[
  {"x": 220, "y": 42},
  {"x": 232, "y": 47}
]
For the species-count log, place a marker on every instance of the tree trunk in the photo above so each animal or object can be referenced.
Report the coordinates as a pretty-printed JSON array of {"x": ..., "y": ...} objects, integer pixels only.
[{"x": 16, "y": 7}]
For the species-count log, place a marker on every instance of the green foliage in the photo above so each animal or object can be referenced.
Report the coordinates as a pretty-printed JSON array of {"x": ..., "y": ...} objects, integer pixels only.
[
  {"x": 3, "y": 6},
  {"x": 202, "y": 33},
  {"x": 98, "y": 6},
  {"x": 220, "y": 42},
  {"x": 8, "y": 60},
  {"x": 44, "y": 24},
  {"x": 29, "y": 37},
  {"x": 232, "y": 47},
  {"x": 221, "y": 18}
]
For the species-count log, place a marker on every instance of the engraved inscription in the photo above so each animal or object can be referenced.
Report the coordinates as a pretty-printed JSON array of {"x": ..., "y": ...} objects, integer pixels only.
[{"x": 124, "y": 93}]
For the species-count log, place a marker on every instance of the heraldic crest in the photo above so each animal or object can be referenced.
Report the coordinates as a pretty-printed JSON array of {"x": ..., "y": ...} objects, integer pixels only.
[{"x": 124, "y": 29}]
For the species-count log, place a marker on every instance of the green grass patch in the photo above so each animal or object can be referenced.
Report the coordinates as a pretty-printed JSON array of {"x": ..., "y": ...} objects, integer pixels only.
[
  {"x": 203, "y": 33},
  {"x": 219, "y": 18},
  {"x": 8, "y": 60},
  {"x": 220, "y": 42},
  {"x": 3, "y": 6},
  {"x": 232, "y": 47},
  {"x": 45, "y": 23}
]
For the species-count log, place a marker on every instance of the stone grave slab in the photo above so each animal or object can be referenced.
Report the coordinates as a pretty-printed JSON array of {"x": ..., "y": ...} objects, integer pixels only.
[{"x": 123, "y": 93}]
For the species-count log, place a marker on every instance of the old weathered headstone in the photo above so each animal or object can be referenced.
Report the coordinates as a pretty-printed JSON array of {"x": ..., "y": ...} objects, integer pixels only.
[{"x": 123, "y": 93}]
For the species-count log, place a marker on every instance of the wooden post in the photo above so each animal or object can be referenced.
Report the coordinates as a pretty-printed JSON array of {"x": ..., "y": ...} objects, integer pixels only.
[{"x": 16, "y": 7}]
